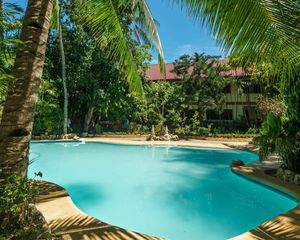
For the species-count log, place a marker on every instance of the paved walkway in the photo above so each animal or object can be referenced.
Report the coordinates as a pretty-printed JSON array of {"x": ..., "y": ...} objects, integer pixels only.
[{"x": 188, "y": 143}]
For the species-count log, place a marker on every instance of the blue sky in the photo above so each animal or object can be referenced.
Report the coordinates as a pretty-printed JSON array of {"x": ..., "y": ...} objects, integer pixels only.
[{"x": 179, "y": 33}]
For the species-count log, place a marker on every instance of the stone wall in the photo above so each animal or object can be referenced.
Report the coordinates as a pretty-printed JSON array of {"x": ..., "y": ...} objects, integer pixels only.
[{"x": 288, "y": 176}]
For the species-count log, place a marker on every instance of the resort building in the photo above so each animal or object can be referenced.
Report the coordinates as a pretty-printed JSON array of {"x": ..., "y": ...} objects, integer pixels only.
[{"x": 241, "y": 98}]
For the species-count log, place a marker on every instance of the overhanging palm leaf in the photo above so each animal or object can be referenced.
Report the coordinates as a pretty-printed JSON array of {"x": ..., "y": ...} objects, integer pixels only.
[
  {"x": 55, "y": 15},
  {"x": 147, "y": 29},
  {"x": 262, "y": 29},
  {"x": 10, "y": 25},
  {"x": 102, "y": 17},
  {"x": 9, "y": 30}
]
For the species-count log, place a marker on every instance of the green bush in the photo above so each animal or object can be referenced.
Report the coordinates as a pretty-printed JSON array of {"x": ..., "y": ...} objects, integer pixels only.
[
  {"x": 280, "y": 135},
  {"x": 18, "y": 218},
  {"x": 252, "y": 130}
]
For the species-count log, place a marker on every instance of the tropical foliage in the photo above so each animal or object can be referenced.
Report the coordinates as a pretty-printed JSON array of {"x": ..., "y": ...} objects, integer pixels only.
[
  {"x": 280, "y": 135},
  {"x": 109, "y": 22},
  {"x": 258, "y": 31},
  {"x": 182, "y": 106},
  {"x": 264, "y": 34},
  {"x": 10, "y": 24},
  {"x": 96, "y": 94},
  {"x": 103, "y": 97},
  {"x": 18, "y": 218},
  {"x": 106, "y": 21}
]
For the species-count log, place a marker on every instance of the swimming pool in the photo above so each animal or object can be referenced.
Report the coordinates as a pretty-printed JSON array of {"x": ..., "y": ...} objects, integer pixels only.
[{"x": 179, "y": 193}]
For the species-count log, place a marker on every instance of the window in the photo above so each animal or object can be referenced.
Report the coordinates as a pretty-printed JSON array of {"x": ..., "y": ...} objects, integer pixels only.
[
  {"x": 211, "y": 115},
  {"x": 225, "y": 115},
  {"x": 256, "y": 88},
  {"x": 227, "y": 89},
  {"x": 249, "y": 87}
]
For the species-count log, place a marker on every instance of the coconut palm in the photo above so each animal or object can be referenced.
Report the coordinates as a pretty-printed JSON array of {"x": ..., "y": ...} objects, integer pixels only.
[
  {"x": 57, "y": 16},
  {"x": 17, "y": 119},
  {"x": 144, "y": 27},
  {"x": 260, "y": 30},
  {"x": 106, "y": 27}
]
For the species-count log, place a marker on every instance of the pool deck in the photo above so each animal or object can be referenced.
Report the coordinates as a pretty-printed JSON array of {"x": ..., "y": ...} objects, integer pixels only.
[{"x": 67, "y": 222}]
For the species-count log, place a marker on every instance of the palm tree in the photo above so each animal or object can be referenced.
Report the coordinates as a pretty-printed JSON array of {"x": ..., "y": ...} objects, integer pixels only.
[
  {"x": 144, "y": 28},
  {"x": 59, "y": 7},
  {"x": 258, "y": 31},
  {"x": 17, "y": 119}
]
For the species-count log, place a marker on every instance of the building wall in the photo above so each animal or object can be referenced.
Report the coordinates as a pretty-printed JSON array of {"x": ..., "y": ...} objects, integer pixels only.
[
  {"x": 238, "y": 101},
  {"x": 242, "y": 103}
]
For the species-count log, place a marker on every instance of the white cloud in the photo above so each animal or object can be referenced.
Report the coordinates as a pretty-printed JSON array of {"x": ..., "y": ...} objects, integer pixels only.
[
  {"x": 191, "y": 49},
  {"x": 186, "y": 49}
]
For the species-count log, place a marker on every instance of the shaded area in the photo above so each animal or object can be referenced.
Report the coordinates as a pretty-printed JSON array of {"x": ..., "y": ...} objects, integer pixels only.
[
  {"x": 283, "y": 227},
  {"x": 75, "y": 224},
  {"x": 48, "y": 191},
  {"x": 86, "y": 227}
]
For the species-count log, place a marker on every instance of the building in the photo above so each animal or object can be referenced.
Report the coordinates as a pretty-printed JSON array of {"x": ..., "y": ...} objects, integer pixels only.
[{"x": 240, "y": 99}]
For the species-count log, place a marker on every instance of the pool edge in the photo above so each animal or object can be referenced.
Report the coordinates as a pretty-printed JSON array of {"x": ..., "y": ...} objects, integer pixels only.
[
  {"x": 273, "y": 229},
  {"x": 67, "y": 221},
  {"x": 284, "y": 226}
]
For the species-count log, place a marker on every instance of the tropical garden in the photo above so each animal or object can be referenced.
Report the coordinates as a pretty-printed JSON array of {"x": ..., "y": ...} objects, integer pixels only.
[{"x": 68, "y": 66}]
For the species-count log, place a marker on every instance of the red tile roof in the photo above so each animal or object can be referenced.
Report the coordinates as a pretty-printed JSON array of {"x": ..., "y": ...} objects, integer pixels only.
[{"x": 153, "y": 73}]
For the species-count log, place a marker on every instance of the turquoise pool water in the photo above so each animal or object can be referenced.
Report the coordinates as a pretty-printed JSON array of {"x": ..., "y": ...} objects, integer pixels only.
[{"x": 172, "y": 192}]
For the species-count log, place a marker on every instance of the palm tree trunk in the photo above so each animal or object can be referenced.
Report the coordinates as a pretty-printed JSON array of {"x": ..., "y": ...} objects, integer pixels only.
[
  {"x": 63, "y": 72},
  {"x": 87, "y": 119},
  {"x": 19, "y": 108}
]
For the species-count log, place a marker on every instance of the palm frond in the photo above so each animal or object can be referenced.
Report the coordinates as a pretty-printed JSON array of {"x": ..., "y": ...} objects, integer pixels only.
[
  {"x": 55, "y": 15},
  {"x": 10, "y": 25},
  {"x": 148, "y": 29},
  {"x": 102, "y": 18},
  {"x": 265, "y": 30}
]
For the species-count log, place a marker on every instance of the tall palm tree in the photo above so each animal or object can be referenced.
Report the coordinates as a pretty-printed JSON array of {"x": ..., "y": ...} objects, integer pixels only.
[
  {"x": 59, "y": 7},
  {"x": 17, "y": 119},
  {"x": 145, "y": 28}
]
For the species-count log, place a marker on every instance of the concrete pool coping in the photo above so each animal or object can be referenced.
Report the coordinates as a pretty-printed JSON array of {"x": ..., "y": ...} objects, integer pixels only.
[{"x": 68, "y": 222}]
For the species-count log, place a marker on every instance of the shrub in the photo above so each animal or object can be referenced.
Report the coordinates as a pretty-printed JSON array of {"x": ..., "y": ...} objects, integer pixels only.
[
  {"x": 266, "y": 105},
  {"x": 19, "y": 219},
  {"x": 282, "y": 136},
  {"x": 252, "y": 130}
]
